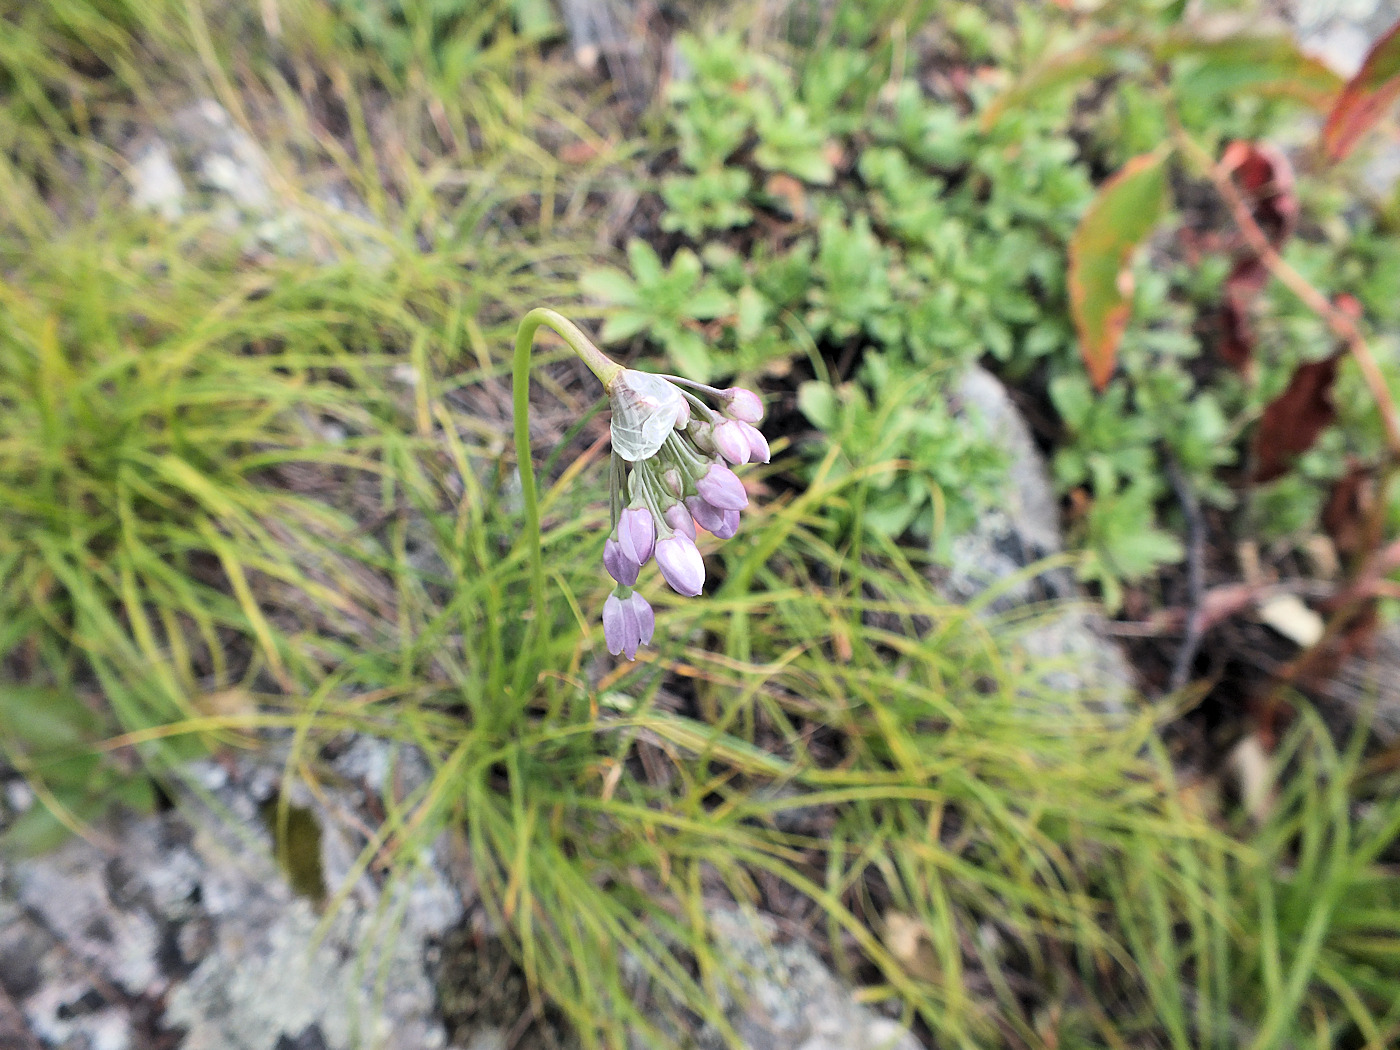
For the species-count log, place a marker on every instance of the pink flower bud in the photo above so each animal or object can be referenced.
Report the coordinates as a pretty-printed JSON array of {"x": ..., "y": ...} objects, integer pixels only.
[
  {"x": 682, "y": 414},
  {"x": 741, "y": 404},
  {"x": 627, "y": 623},
  {"x": 679, "y": 519},
  {"x": 732, "y": 442},
  {"x": 758, "y": 444},
  {"x": 681, "y": 564},
  {"x": 721, "y": 488},
  {"x": 620, "y": 567},
  {"x": 673, "y": 481},
  {"x": 636, "y": 534}
]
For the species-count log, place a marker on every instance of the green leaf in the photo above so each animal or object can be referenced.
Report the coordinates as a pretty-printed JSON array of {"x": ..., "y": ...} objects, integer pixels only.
[
  {"x": 1123, "y": 531},
  {"x": 788, "y": 141},
  {"x": 624, "y": 325},
  {"x": 646, "y": 264},
  {"x": 534, "y": 17},
  {"x": 1135, "y": 553},
  {"x": 817, "y": 401},
  {"x": 752, "y": 310},
  {"x": 1126, "y": 209},
  {"x": 890, "y": 517},
  {"x": 1072, "y": 399},
  {"x": 610, "y": 286},
  {"x": 1250, "y": 64},
  {"x": 37, "y": 830},
  {"x": 709, "y": 302},
  {"x": 1078, "y": 66},
  {"x": 688, "y": 352},
  {"x": 686, "y": 269},
  {"x": 45, "y": 720}
]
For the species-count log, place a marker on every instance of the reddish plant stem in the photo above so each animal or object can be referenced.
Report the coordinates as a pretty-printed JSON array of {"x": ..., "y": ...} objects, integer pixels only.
[
  {"x": 1369, "y": 577},
  {"x": 1341, "y": 323}
]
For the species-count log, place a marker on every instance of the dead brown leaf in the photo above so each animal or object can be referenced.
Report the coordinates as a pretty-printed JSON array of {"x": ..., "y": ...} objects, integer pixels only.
[{"x": 1292, "y": 421}]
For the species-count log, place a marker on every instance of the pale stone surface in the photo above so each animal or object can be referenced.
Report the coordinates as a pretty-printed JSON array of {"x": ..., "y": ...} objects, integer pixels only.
[
  {"x": 783, "y": 996},
  {"x": 182, "y": 927},
  {"x": 1022, "y": 530},
  {"x": 202, "y": 161},
  {"x": 155, "y": 182}
]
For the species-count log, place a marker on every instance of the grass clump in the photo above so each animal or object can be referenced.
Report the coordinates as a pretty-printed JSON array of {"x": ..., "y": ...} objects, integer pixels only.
[{"x": 211, "y": 442}]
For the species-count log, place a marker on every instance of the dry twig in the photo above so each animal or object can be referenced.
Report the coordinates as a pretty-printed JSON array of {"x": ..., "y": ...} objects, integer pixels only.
[{"x": 1195, "y": 575}]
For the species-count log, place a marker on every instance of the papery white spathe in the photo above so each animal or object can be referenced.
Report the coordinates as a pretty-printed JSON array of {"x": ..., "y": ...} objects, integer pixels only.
[{"x": 645, "y": 408}]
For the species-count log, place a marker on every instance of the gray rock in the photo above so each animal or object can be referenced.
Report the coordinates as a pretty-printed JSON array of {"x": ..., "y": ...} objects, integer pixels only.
[
  {"x": 1341, "y": 31},
  {"x": 1017, "y": 534},
  {"x": 783, "y": 996},
  {"x": 224, "y": 156},
  {"x": 183, "y": 927},
  {"x": 155, "y": 182},
  {"x": 1026, "y": 527},
  {"x": 203, "y": 161}
]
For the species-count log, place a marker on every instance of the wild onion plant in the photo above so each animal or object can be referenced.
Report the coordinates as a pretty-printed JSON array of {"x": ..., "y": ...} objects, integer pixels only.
[{"x": 670, "y": 450}]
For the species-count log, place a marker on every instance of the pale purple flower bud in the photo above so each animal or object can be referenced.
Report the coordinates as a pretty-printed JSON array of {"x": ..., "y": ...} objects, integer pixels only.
[
  {"x": 646, "y": 619},
  {"x": 612, "y": 624},
  {"x": 721, "y": 524},
  {"x": 636, "y": 534},
  {"x": 728, "y": 525},
  {"x": 758, "y": 444},
  {"x": 620, "y": 567},
  {"x": 706, "y": 516},
  {"x": 722, "y": 488},
  {"x": 741, "y": 404},
  {"x": 683, "y": 414},
  {"x": 679, "y": 519},
  {"x": 732, "y": 442},
  {"x": 681, "y": 564},
  {"x": 627, "y": 623},
  {"x": 673, "y": 481}
]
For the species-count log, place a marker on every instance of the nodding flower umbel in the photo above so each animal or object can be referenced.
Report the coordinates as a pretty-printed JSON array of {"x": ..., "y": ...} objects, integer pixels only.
[{"x": 669, "y": 475}]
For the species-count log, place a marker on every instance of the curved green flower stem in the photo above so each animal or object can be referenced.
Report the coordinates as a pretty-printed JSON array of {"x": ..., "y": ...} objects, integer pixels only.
[{"x": 601, "y": 366}]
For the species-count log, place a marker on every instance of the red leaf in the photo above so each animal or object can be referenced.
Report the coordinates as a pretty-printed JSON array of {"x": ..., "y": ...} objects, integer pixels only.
[
  {"x": 1347, "y": 513},
  {"x": 1244, "y": 284},
  {"x": 1265, "y": 178},
  {"x": 1365, "y": 98},
  {"x": 1294, "y": 419},
  {"x": 1119, "y": 219}
]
